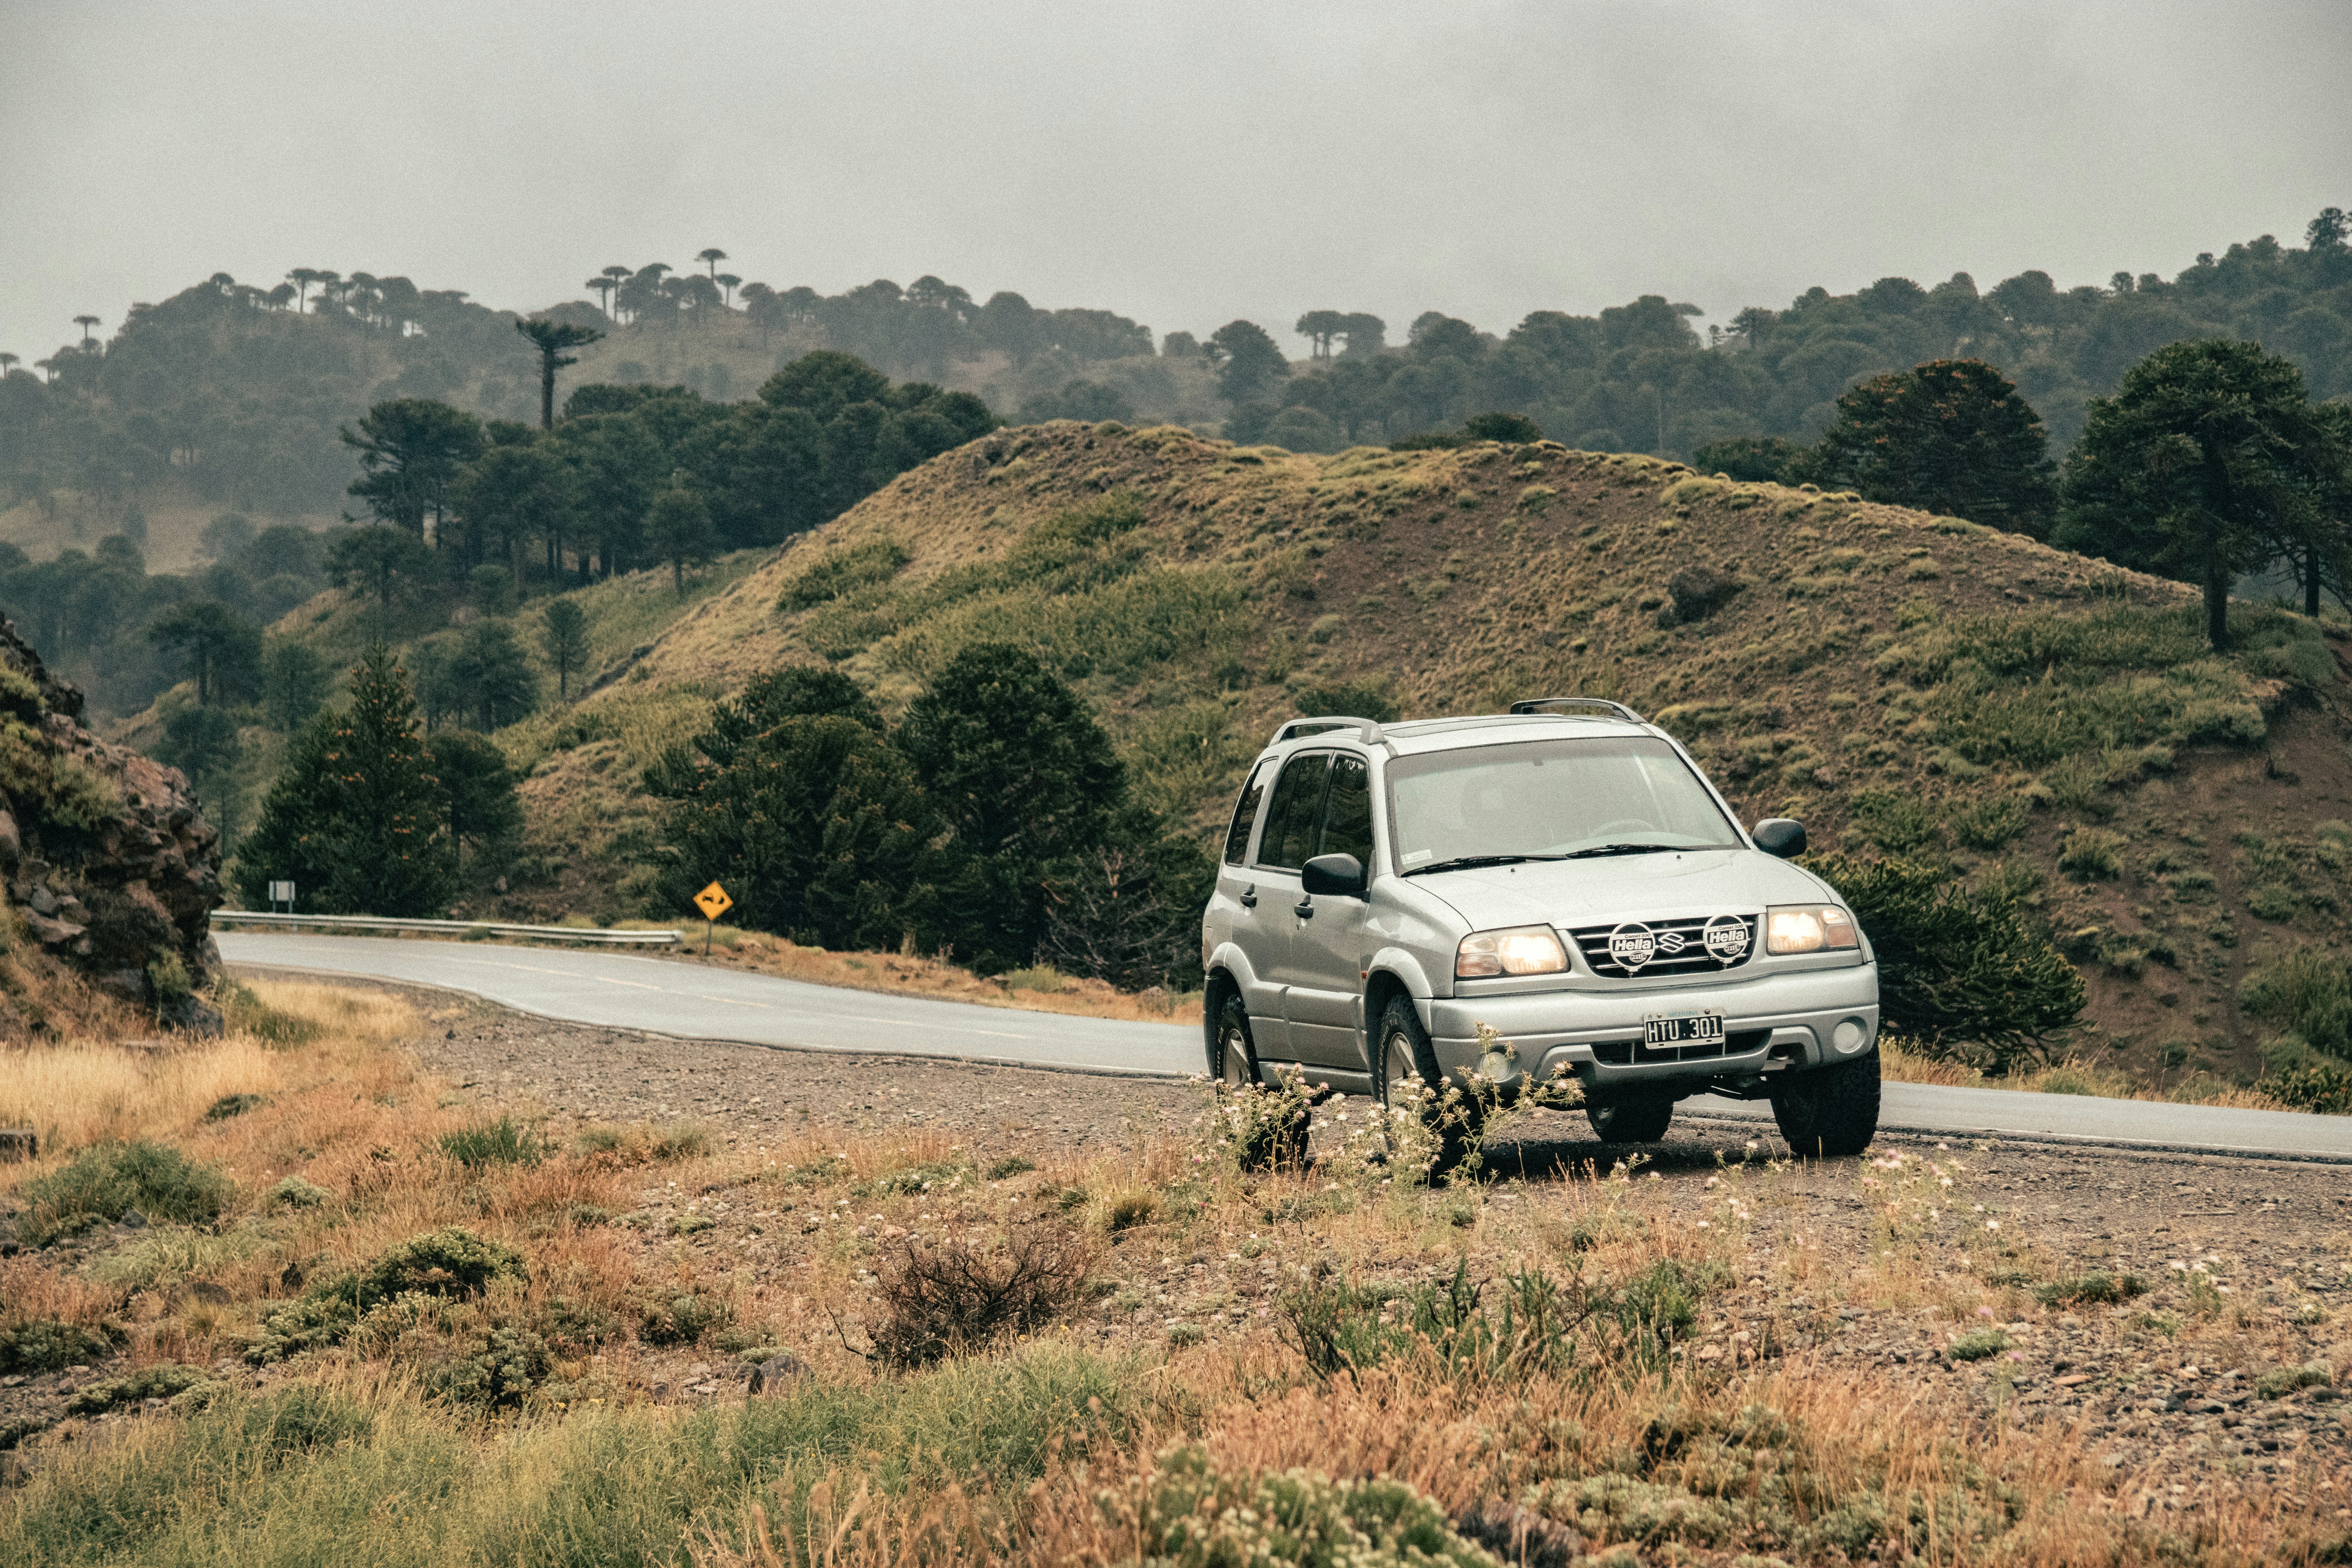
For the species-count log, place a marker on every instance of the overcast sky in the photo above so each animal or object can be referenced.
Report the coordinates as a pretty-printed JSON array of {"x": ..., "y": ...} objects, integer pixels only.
[{"x": 1180, "y": 164}]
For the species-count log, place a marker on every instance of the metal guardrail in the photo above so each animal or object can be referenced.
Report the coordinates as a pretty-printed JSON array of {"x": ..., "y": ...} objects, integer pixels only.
[{"x": 449, "y": 927}]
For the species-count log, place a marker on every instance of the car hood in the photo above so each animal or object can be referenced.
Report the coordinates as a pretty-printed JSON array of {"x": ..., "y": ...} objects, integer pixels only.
[{"x": 1626, "y": 887}]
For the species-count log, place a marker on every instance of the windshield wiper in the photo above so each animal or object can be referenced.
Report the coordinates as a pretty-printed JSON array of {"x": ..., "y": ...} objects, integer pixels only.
[
  {"x": 1599, "y": 850},
  {"x": 1470, "y": 862}
]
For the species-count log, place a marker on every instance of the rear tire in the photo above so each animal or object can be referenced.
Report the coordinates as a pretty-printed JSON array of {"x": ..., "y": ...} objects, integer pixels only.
[
  {"x": 1404, "y": 1055},
  {"x": 1630, "y": 1118},
  {"x": 1830, "y": 1112},
  {"x": 1236, "y": 1066}
]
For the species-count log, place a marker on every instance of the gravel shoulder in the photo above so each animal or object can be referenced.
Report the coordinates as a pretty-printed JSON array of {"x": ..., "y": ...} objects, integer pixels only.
[{"x": 2247, "y": 1264}]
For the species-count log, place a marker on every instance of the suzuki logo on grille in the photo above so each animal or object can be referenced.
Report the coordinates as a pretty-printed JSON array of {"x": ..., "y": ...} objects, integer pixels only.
[
  {"x": 1727, "y": 938},
  {"x": 1671, "y": 942},
  {"x": 1633, "y": 945}
]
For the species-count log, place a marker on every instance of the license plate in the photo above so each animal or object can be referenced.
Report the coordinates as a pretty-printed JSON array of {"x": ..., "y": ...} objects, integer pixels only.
[{"x": 1687, "y": 1029}]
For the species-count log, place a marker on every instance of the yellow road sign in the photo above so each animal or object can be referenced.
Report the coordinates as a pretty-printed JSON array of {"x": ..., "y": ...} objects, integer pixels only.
[{"x": 713, "y": 902}]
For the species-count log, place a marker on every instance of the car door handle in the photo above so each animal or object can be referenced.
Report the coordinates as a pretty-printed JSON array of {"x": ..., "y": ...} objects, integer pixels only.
[
  {"x": 1249, "y": 897},
  {"x": 1304, "y": 909}
]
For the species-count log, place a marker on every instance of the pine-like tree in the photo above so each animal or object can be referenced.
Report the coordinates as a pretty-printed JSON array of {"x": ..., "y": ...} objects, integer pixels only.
[
  {"x": 1950, "y": 437},
  {"x": 357, "y": 821}
]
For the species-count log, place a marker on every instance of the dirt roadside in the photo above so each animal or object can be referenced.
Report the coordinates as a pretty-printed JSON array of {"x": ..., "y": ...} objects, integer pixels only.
[
  {"x": 2247, "y": 1263},
  {"x": 2214, "y": 1372}
]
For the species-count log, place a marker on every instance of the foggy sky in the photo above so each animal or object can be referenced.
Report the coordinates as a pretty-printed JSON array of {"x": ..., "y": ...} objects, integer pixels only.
[{"x": 1180, "y": 164}]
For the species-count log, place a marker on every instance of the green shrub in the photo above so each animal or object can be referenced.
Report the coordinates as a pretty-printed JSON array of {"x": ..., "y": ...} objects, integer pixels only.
[
  {"x": 295, "y": 1193},
  {"x": 2324, "y": 1090},
  {"x": 681, "y": 1318},
  {"x": 1959, "y": 969},
  {"x": 46, "y": 1345},
  {"x": 2273, "y": 902},
  {"x": 2306, "y": 992},
  {"x": 1536, "y": 1321},
  {"x": 1989, "y": 823},
  {"x": 1011, "y": 1165},
  {"x": 843, "y": 572},
  {"x": 1897, "y": 822},
  {"x": 451, "y": 1263},
  {"x": 2091, "y": 1290},
  {"x": 1353, "y": 700},
  {"x": 229, "y": 1105},
  {"x": 2091, "y": 852},
  {"x": 1190, "y": 1514},
  {"x": 1977, "y": 1344},
  {"x": 2285, "y": 1380},
  {"x": 162, "y": 1380},
  {"x": 109, "y": 1180},
  {"x": 505, "y": 1142}
]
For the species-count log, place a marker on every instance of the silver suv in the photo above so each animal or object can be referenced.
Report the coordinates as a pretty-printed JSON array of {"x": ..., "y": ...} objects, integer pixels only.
[{"x": 1563, "y": 873}]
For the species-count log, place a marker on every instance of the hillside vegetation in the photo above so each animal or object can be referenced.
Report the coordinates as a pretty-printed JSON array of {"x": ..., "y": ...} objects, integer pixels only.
[{"x": 1907, "y": 684}]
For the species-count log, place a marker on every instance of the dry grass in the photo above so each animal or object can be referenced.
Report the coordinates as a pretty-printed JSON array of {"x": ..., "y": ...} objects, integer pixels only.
[
  {"x": 1002, "y": 1457},
  {"x": 915, "y": 975},
  {"x": 2074, "y": 1075}
]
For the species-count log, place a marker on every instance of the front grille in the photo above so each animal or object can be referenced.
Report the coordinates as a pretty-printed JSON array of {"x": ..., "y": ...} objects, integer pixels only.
[
  {"x": 1672, "y": 947},
  {"x": 1626, "y": 1053}
]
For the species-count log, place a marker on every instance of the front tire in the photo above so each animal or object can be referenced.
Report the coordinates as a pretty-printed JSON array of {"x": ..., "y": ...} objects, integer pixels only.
[
  {"x": 1407, "y": 1058},
  {"x": 1830, "y": 1112},
  {"x": 1267, "y": 1146},
  {"x": 1630, "y": 1118}
]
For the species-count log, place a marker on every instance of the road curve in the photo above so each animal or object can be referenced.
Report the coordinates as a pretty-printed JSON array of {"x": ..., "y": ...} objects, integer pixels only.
[{"x": 691, "y": 1002}]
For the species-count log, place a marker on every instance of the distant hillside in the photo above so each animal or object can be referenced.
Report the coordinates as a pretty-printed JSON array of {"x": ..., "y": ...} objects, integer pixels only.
[
  {"x": 1903, "y": 683},
  {"x": 228, "y": 395}
]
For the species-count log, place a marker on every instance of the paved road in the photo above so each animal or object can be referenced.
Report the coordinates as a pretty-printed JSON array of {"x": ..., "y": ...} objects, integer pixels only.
[
  {"x": 689, "y": 1001},
  {"x": 625, "y": 991}
]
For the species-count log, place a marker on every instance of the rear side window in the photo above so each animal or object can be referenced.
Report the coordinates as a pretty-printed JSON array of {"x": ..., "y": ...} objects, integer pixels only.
[
  {"x": 1291, "y": 816},
  {"x": 1347, "y": 811},
  {"x": 1245, "y": 815}
]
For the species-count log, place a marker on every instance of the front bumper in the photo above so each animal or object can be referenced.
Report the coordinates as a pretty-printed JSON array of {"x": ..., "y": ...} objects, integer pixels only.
[{"x": 1772, "y": 1024}]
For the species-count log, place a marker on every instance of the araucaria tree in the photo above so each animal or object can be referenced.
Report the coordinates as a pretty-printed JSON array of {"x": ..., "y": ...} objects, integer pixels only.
[
  {"x": 1950, "y": 437},
  {"x": 2210, "y": 461},
  {"x": 357, "y": 821},
  {"x": 552, "y": 338},
  {"x": 563, "y": 636},
  {"x": 1249, "y": 366},
  {"x": 411, "y": 450},
  {"x": 224, "y": 648}
]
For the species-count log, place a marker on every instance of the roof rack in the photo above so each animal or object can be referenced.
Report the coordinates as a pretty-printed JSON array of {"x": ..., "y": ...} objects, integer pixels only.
[
  {"x": 1371, "y": 728},
  {"x": 1539, "y": 704}
]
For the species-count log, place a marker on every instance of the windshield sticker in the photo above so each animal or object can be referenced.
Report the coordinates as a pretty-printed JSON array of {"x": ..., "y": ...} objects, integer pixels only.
[{"x": 1415, "y": 856}]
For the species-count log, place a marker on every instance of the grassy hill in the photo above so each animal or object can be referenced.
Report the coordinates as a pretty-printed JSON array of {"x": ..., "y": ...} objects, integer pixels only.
[{"x": 1905, "y": 684}]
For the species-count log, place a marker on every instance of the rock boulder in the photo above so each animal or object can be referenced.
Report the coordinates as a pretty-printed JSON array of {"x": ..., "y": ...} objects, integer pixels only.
[{"x": 110, "y": 871}]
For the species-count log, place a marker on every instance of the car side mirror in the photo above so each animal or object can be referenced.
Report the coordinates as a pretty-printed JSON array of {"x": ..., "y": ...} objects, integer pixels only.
[
  {"x": 1336, "y": 876},
  {"x": 1780, "y": 836}
]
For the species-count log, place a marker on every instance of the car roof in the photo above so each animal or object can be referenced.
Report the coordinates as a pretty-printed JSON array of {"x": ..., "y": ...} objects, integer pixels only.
[{"x": 1415, "y": 736}]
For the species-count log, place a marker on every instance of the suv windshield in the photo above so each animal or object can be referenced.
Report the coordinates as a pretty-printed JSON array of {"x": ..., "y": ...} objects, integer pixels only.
[{"x": 1550, "y": 800}]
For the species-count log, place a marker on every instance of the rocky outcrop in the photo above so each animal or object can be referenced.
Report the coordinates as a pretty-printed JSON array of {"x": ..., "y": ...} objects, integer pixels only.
[{"x": 110, "y": 871}]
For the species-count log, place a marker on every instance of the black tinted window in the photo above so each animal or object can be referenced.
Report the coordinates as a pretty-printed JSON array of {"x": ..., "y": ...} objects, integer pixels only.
[
  {"x": 1347, "y": 811},
  {"x": 1290, "y": 816},
  {"x": 1246, "y": 816}
]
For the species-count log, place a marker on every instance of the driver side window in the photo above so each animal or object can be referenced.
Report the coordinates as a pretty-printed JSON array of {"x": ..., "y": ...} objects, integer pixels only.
[
  {"x": 1292, "y": 816},
  {"x": 1347, "y": 811}
]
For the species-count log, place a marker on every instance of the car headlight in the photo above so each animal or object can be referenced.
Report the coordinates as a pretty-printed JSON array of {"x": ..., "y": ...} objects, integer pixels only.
[
  {"x": 1808, "y": 927},
  {"x": 1520, "y": 950}
]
